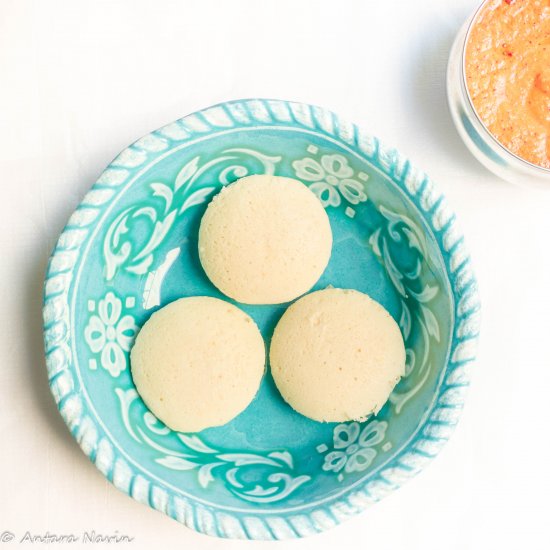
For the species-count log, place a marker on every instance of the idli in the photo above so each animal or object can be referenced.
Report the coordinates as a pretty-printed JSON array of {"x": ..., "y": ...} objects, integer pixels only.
[
  {"x": 265, "y": 240},
  {"x": 336, "y": 355},
  {"x": 197, "y": 363}
]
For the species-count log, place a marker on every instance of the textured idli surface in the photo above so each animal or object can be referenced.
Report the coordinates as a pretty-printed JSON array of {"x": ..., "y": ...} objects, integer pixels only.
[
  {"x": 197, "y": 363},
  {"x": 336, "y": 355},
  {"x": 265, "y": 240}
]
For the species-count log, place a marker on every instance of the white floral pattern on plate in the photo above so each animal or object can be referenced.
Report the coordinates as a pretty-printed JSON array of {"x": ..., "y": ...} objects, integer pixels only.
[
  {"x": 399, "y": 228},
  {"x": 172, "y": 200},
  {"x": 109, "y": 333},
  {"x": 332, "y": 178},
  {"x": 354, "y": 447},
  {"x": 274, "y": 472}
]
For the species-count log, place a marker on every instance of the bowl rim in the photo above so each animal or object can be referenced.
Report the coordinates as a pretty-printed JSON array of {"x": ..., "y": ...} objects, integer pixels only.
[
  {"x": 541, "y": 170},
  {"x": 448, "y": 401}
]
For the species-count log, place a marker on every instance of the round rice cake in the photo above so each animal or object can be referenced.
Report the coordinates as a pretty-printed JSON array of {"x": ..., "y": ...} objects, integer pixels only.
[
  {"x": 265, "y": 240},
  {"x": 197, "y": 363},
  {"x": 336, "y": 355}
]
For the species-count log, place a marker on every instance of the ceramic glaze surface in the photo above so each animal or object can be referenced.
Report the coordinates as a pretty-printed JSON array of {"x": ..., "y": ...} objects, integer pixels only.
[{"x": 131, "y": 247}]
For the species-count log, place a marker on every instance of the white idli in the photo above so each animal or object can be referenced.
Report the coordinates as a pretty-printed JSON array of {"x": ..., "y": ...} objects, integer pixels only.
[
  {"x": 336, "y": 355},
  {"x": 265, "y": 240},
  {"x": 197, "y": 363}
]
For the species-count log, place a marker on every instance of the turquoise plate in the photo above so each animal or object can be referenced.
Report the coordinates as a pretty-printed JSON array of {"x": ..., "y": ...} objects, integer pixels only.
[{"x": 131, "y": 247}]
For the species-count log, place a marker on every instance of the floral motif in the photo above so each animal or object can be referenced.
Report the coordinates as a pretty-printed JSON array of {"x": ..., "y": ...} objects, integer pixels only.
[
  {"x": 415, "y": 296},
  {"x": 134, "y": 251},
  {"x": 255, "y": 477},
  {"x": 110, "y": 334},
  {"x": 354, "y": 448},
  {"x": 331, "y": 176}
]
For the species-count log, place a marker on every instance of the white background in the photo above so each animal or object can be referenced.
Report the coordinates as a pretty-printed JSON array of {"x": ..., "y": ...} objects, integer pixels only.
[{"x": 81, "y": 80}]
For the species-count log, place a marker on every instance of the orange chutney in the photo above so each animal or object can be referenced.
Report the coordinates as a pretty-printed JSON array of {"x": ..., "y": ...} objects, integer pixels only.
[{"x": 507, "y": 69}]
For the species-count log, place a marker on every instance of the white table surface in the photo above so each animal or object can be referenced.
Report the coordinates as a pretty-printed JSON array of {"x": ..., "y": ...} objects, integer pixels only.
[{"x": 81, "y": 80}]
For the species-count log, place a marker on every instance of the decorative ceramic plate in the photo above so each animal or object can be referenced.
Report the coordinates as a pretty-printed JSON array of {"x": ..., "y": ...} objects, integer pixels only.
[{"x": 131, "y": 246}]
